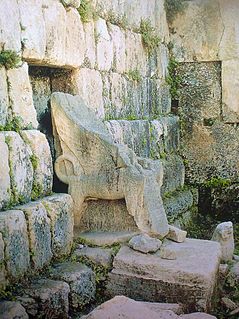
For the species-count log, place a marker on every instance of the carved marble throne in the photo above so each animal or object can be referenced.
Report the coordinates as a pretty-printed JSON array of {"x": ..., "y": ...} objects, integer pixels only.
[{"x": 95, "y": 167}]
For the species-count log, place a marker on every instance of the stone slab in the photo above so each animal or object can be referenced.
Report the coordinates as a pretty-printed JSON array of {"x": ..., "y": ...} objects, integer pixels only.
[{"x": 190, "y": 279}]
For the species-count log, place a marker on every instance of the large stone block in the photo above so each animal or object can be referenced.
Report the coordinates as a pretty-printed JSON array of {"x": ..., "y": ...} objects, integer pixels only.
[
  {"x": 59, "y": 208},
  {"x": 190, "y": 279},
  {"x": 10, "y": 35},
  {"x": 5, "y": 183},
  {"x": 20, "y": 95},
  {"x": 39, "y": 233},
  {"x": 4, "y": 101},
  {"x": 21, "y": 171},
  {"x": 41, "y": 162},
  {"x": 33, "y": 31},
  {"x": 118, "y": 38},
  {"x": 13, "y": 227}
]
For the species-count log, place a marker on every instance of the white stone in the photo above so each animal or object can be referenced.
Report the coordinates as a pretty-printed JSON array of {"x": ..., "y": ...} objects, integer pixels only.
[
  {"x": 10, "y": 31},
  {"x": 118, "y": 38},
  {"x": 145, "y": 244},
  {"x": 20, "y": 95},
  {"x": 104, "y": 46},
  {"x": 13, "y": 227},
  {"x": 33, "y": 33},
  {"x": 88, "y": 84},
  {"x": 43, "y": 172},
  {"x": 5, "y": 183},
  {"x": 176, "y": 234},
  {"x": 4, "y": 102},
  {"x": 224, "y": 235},
  {"x": 75, "y": 39},
  {"x": 21, "y": 168},
  {"x": 90, "y": 45}
]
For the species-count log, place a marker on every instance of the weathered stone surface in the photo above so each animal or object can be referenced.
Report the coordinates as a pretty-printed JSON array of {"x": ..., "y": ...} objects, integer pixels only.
[
  {"x": 5, "y": 188},
  {"x": 42, "y": 163},
  {"x": 235, "y": 271},
  {"x": 81, "y": 280},
  {"x": 99, "y": 256},
  {"x": 39, "y": 233},
  {"x": 114, "y": 173},
  {"x": 20, "y": 94},
  {"x": 3, "y": 279},
  {"x": 159, "y": 306},
  {"x": 51, "y": 297},
  {"x": 10, "y": 35},
  {"x": 104, "y": 46},
  {"x": 177, "y": 203},
  {"x": 176, "y": 234},
  {"x": 14, "y": 231},
  {"x": 190, "y": 279},
  {"x": 167, "y": 252},
  {"x": 121, "y": 306},
  {"x": 21, "y": 171},
  {"x": 198, "y": 315},
  {"x": 59, "y": 209},
  {"x": 12, "y": 310},
  {"x": 224, "y": 235},
  {"x": 4, "y": 102},
  {"x": 106, "y": 238},
  {"x": 88, "y": 84},
  {"x": 119, "y": 53},
  {"x": 145, "y": 244},
  {"x": 33, "y": 31},
  {"x": 90, "y": 45}
]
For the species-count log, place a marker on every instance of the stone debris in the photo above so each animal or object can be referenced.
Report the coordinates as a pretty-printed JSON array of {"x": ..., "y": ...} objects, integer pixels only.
[
  {"x": 224, "y": 235},
  {"x": 81, "y": 280},
  {"x": 176, "y": 234},
  {"x": 228, "y": 303},
  {"x": 12, "y": 310},
  {"x": 145, "y": 244},
  {"x": 168, "y": 251},
  {"x": 223, "y": 270}
]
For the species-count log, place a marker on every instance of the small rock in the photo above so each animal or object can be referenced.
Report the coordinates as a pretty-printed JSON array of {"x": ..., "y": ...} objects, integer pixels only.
[
  {"x": 81, "y": 280},
  {"x": 12, "y": 310},
  {"x": 145, "y": 244},
  {"x": 228, "y": 303},
  {"x": 99, "y": 256},
  {"x": 234, "y": 312},
  {"x": 176, "y": 234},
  {"x": 223, "y": 269},
  {"x": 236, "y": 257},
  {"x": 224, "y": 235},
  {"x": 167, "y": 252},
  {"x": 198, "y": 315}
]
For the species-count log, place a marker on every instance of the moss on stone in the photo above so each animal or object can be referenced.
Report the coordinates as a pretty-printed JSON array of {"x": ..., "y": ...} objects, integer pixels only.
[
  {"x": 150, "y": 39},
  {"x": 9, "y": 59}
]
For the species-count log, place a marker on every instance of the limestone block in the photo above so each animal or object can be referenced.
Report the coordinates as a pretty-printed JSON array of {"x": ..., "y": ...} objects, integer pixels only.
[
  {"x": 171, "y": 133},
  {"x": 161, "y": 23},
  {"x": 3, "y": 279},
  {"x": 13, "y": 227},
  {"x": 81, "y": 280},
  {"x": 10, "y": 35},
  {"x": 4, "y": 102},
  {"x": 20, "y": 94},
  {"x": 88, "y": 84},
  {"x": 230, "y": 85},
  {"x": 59, "y": 209},
  {"x": 75, "y": 39},
  {"x": 51, "y": 297},
  {"x": 33, "y": 32},
  {"x": 39, "y": 233},
  {"x": 5, "y": 184},
  {"x": 224, "y": 235},
  {"x": 176, "y": 234},
  {"x": 118, "y": 38},
  {"x": 12, "y": 310},
  {"x": 21, "y": 171},
  {"x": 55, "y": 22},
  {"x": 190, "y": 279},
  {"x": 104, "y": 46},
  {"x": 90, "y": 45},
  {"x": 41, "y": 161},
  {"x": 145, "y": 244}
]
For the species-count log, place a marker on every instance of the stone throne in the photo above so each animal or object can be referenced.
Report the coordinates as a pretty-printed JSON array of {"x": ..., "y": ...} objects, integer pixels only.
[{"x": 94, "y": 167}]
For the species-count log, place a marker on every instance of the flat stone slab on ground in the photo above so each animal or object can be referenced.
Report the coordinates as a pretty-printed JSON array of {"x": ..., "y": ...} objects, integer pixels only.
[
  {"x": 190, "y": 279},
  {"x": 12, "y": 310},
  {"x": 106, "y": 238}
]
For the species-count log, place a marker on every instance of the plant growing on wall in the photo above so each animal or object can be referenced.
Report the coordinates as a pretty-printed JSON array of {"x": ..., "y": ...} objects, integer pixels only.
[
  {"x": 86, "y": 11},
  {"x": 10, "y": 59},
  {"x": 150, "y": 39},
  {"x": 173, "y": 79}
]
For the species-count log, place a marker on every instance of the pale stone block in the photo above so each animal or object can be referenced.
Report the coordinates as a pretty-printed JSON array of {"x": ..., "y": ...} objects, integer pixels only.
[
  {"x": 104, "y": 46},
  {"x": 118, "y": 38},
  {"x": 39, "y": 230},
  {"x": 55, "y": 22},
  {"x": 20, "y": 94},
  {"x": 89, "y": 85},
  {"x": 59, "y": 208},
  {"x": 118, "y": 94},
  {"x": 3, "y": 279},
  {"x": 75, "y": 39},
  {"x": 13, "y": 227},
  {"x": 21, "y": 171},
  {"x": 4, "y": 102},
  {"x": 224, "y": 235},
  {"x": 5, "y": 183},
  {"x": 90, "y": 45},
  {"x": 141, "y": 9},
  {"x": 41, "y": 160},
  {"x": 230, "y": 89},
  {"x": 33, "y": 31},
  {"x": 10, "y": 35},
  {"x": 176, "y": 234},
  {"x": 12, "y": 310}
]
